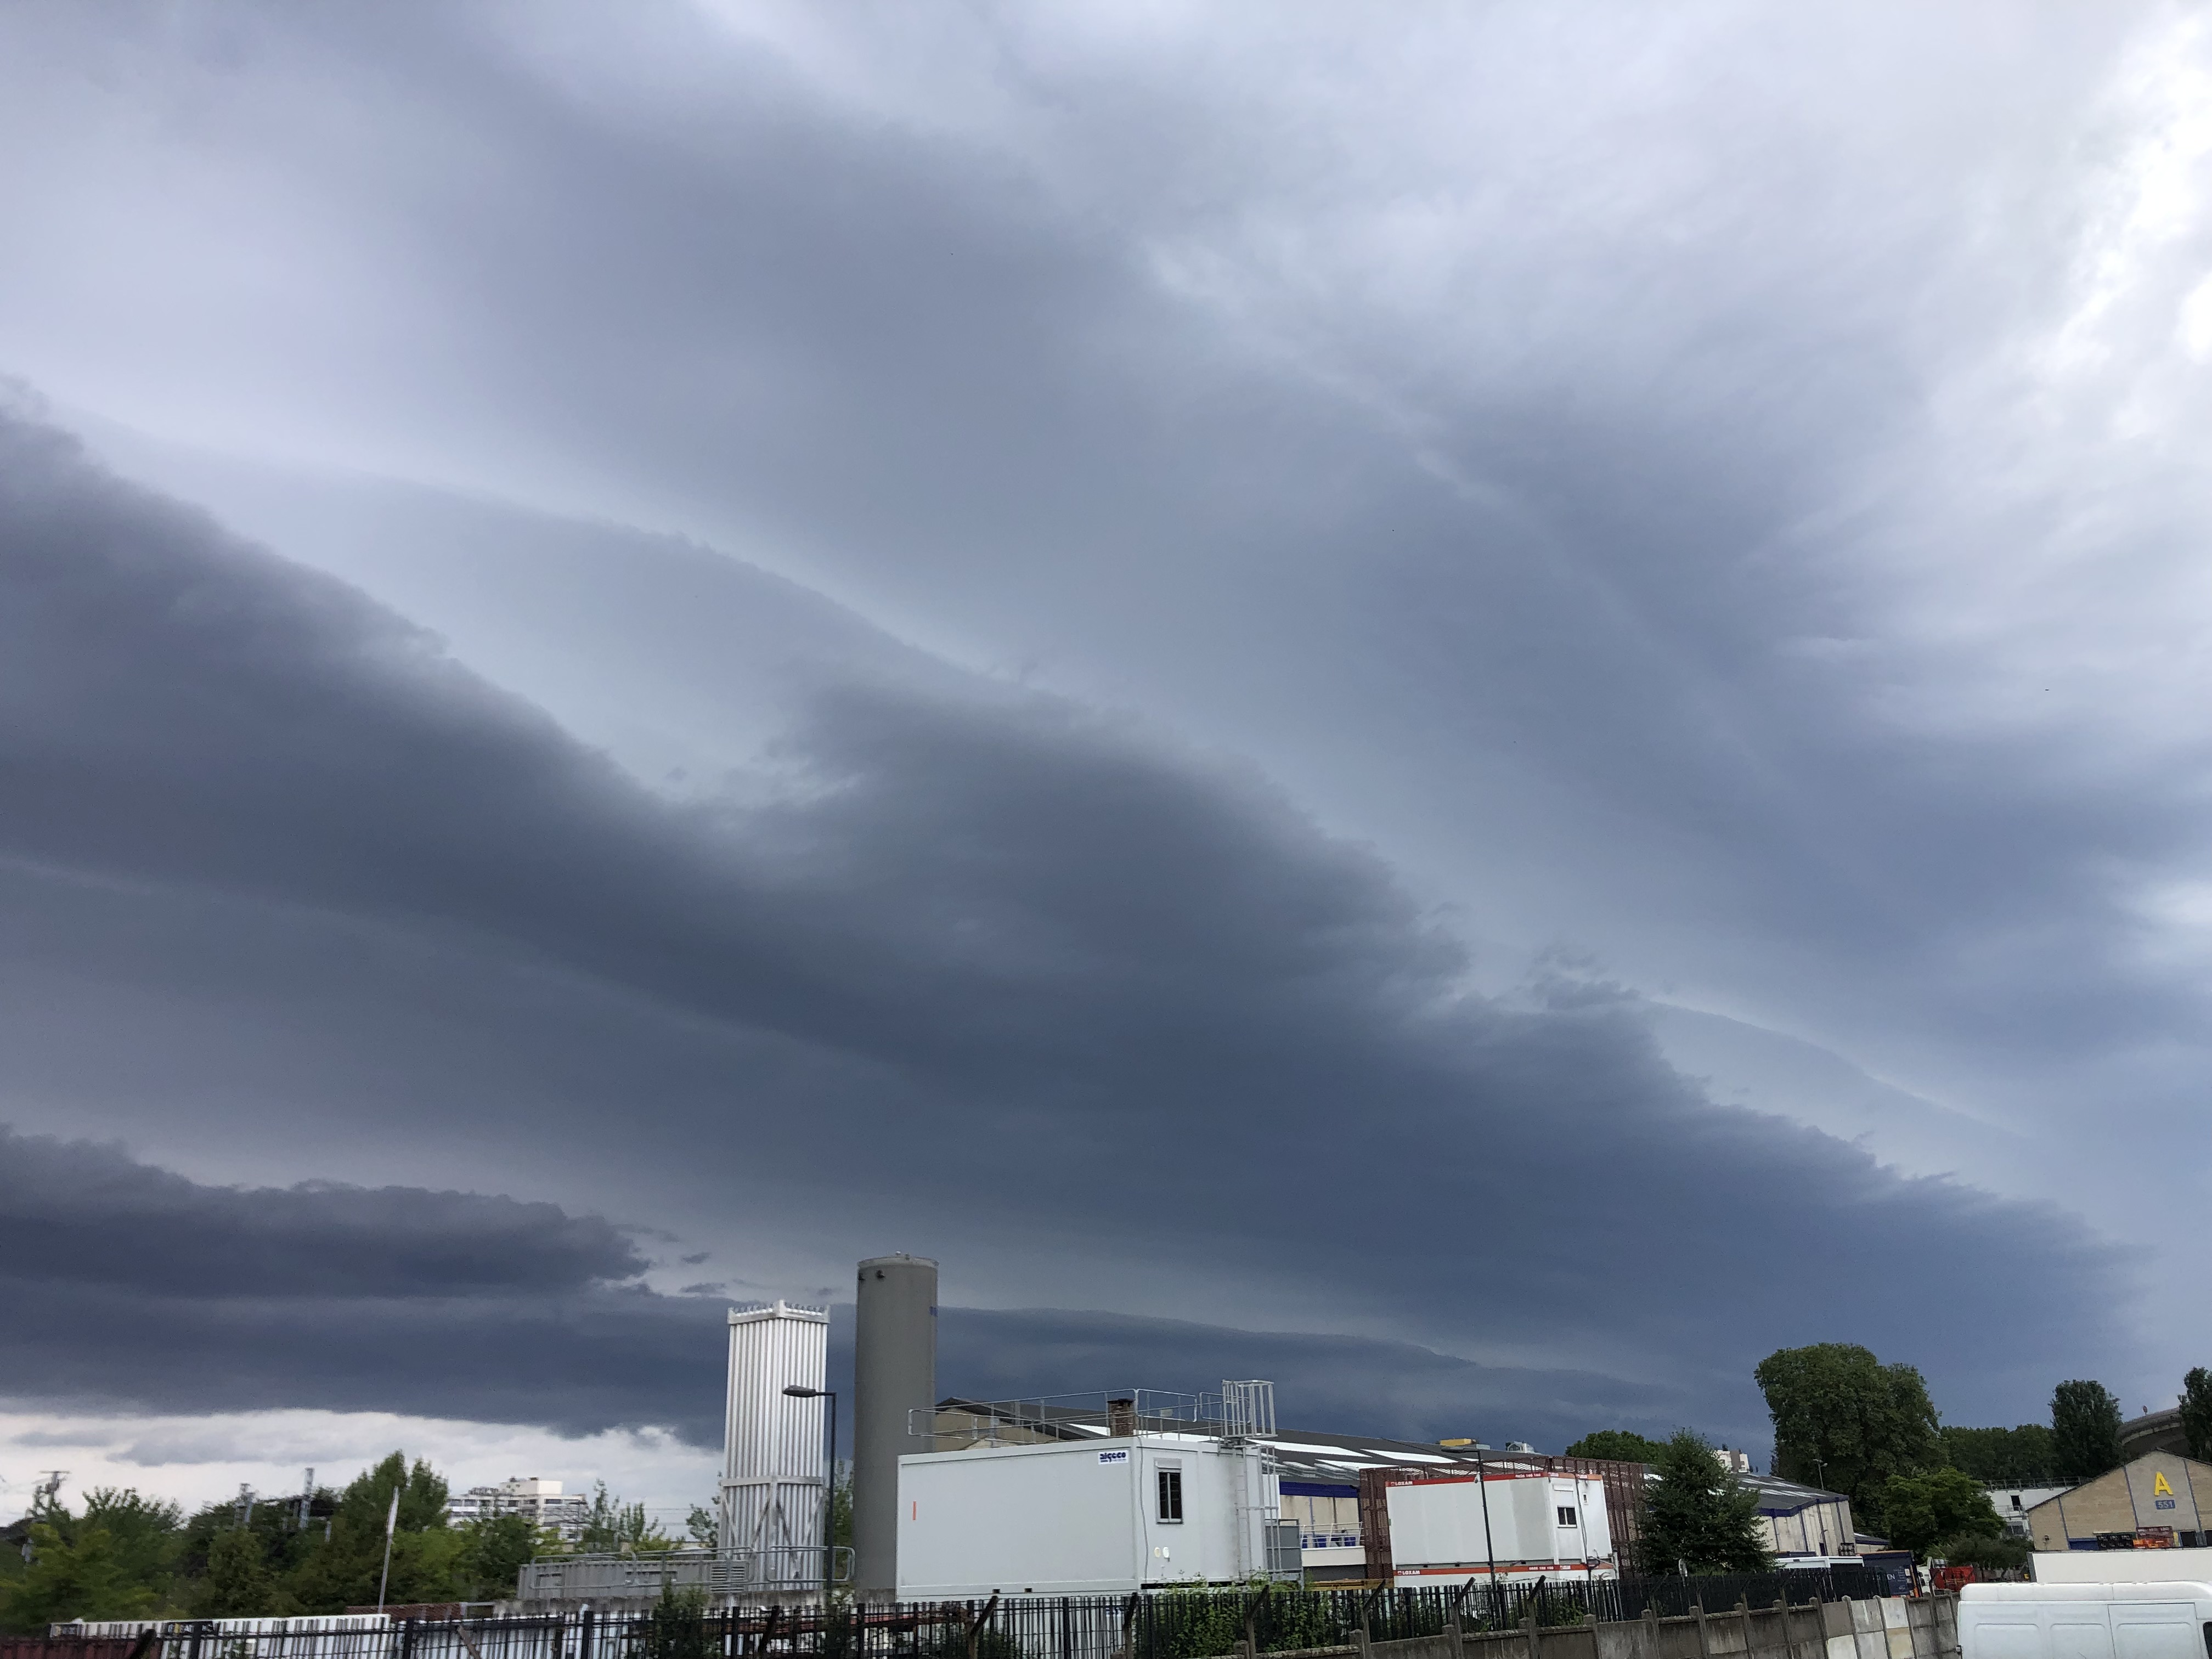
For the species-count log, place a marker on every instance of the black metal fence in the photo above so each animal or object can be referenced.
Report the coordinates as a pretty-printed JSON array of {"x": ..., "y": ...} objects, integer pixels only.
[{"x": 1195, "y": 1624}]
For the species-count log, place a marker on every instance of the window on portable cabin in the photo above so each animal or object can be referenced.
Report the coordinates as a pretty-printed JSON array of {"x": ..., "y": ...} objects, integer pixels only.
[{"x": 1169, "y": 1482}]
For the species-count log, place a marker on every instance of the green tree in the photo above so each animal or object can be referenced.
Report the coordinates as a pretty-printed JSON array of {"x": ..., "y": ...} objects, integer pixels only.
[
  {"x": 1922, "y": 1509},
  {"x": 676, "y": 1628},
  {"x": 238, "y": 1584},
  {"x": 2196, "y": 1411},
  {"x": 700, "y": 1527},
  {"x": 612, "y": 1526},
  {"x": 147, "y": 1532},
  {"x": 1697, "y": 1515},
  {"x": 1619, "y": 1445},
  {"x": 344, "y": 1571},
  {"x": 1845, "y": 1422},
  {"x": 2085, "y": 1430},
  {"x": 492, "y": 1552},
  {"x": 841, "y": 1506},
  {"x": 114, "y": 1561},
  {"x": 2019, "y": 1455},
  {"x": 1981, "y": 1550},
  {"x": 274, "y": 1526}
]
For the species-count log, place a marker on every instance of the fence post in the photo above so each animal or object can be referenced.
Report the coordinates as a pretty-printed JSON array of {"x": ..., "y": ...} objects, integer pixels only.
[
  {"x": 1743, "y": 1614},
  {"x": 1532, "y": 1637},
  {"x": 1705, "y": 1641},
  {"x": 1650, "y": 1621}
]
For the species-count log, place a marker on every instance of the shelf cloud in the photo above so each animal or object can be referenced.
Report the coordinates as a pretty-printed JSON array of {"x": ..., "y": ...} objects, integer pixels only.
[{"x": 1036, "y": 974}]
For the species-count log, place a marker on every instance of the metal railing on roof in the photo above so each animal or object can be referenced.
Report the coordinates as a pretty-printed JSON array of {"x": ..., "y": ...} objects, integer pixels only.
[
  {"x": 1035, "y": 1420},
  {"x": 599, "y": 1579}
]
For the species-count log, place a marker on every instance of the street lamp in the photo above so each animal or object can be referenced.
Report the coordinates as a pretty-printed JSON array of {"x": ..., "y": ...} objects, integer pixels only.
[
  {"x": 1482, "y": 1490},
  {"x": 801, "y": 1391}
]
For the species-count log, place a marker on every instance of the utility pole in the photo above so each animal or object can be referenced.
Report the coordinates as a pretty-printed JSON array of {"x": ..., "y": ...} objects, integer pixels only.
[
  {"x": 390, "y": 1524},
  {"x": 1489, "y": 1544},
  {"x": 306, "y": 1499}
]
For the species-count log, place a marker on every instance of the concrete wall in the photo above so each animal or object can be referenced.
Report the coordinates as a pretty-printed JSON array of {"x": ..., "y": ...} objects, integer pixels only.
[{"x": 1892, "y": 1627}]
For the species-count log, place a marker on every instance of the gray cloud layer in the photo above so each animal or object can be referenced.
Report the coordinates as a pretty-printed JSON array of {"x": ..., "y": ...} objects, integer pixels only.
[
  {"x": 1704, "y": 487},
  {"x": 457, "y": 1305},
  {"x": 1029, "y": 980},
  {"x": 76, "y": 1215}
]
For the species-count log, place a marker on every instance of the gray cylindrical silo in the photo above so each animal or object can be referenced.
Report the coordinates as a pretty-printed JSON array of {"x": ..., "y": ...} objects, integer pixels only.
[{"x": 894, "y": 1373}]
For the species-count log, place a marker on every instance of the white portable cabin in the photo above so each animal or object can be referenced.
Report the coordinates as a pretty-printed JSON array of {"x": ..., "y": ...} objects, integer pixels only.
[
  {"x": 2192, "y": 1566},
  {"x": 1523, "y": 1525},
  {"x": 2150, "y": 1620},
  {"x": 1104, "y": 1516}
]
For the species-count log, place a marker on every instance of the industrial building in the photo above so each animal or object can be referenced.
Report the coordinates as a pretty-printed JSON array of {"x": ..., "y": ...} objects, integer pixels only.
[
  {"x": 2013, "y": 1501},
  {"x": 1116, "y": 1492},
  {"x": 2155, "y": 1431},
  {"x": 2161, "y": 1501},
  {"x": 542, "y": 1503},
  {"x": 1802, "y": 1522},
  {"x": 1320, "y": 1477}
]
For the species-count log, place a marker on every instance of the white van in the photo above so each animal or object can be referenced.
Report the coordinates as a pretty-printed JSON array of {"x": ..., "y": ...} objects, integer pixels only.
[{"x": 2086, "y": 1621}]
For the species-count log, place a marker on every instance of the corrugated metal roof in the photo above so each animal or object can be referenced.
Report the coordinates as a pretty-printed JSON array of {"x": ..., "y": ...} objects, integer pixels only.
[{"x": 1317, "y": 1454}]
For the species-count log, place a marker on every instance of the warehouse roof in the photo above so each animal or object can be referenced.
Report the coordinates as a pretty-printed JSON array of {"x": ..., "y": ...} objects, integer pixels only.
[{"x": 1310, "y": 1454}]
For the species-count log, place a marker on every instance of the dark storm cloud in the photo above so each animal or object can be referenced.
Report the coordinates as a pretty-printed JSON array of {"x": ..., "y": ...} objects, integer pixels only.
[
  {"x": 82, "y": 1215},
  {"x": 1562, "y": 611},
  {"x": 126, "y": 1287},
  {"x": 1033, "y": 975},
  {"x": 1352, "y": 1385}
]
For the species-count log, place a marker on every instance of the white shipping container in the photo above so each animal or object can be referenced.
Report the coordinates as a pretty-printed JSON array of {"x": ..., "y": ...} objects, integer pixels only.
[
  {"x": 1098, "y": 1517},
  {"x": 1451, "y": 1529}
]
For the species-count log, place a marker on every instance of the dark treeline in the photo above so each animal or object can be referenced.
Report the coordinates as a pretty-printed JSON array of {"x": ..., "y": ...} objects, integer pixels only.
[
  {"x": 123, "y": 1556},
  {"x": 1845, "y": 1422}
]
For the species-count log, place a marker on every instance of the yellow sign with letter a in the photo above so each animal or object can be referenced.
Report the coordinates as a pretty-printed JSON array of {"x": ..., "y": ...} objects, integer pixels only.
[{"x": 2158, "y": 1486}]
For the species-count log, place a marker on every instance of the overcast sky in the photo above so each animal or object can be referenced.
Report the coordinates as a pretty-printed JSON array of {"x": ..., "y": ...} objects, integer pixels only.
[{"x": 1486, "y": 710}]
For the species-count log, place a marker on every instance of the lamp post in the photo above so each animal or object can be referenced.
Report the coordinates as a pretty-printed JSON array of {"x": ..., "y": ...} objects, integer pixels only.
[
  {"x": 1482, "y": 1490},
  {"x": 801, "y": 1391}
]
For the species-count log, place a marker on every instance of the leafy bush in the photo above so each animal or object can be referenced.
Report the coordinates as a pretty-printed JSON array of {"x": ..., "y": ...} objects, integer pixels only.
[
  {"x": 677, "y": 1627},
  {"x": 1927, "y": 1508},
  {"x": 1618, "y": 1445},
  {"x": 1981, "y": 1550}
]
